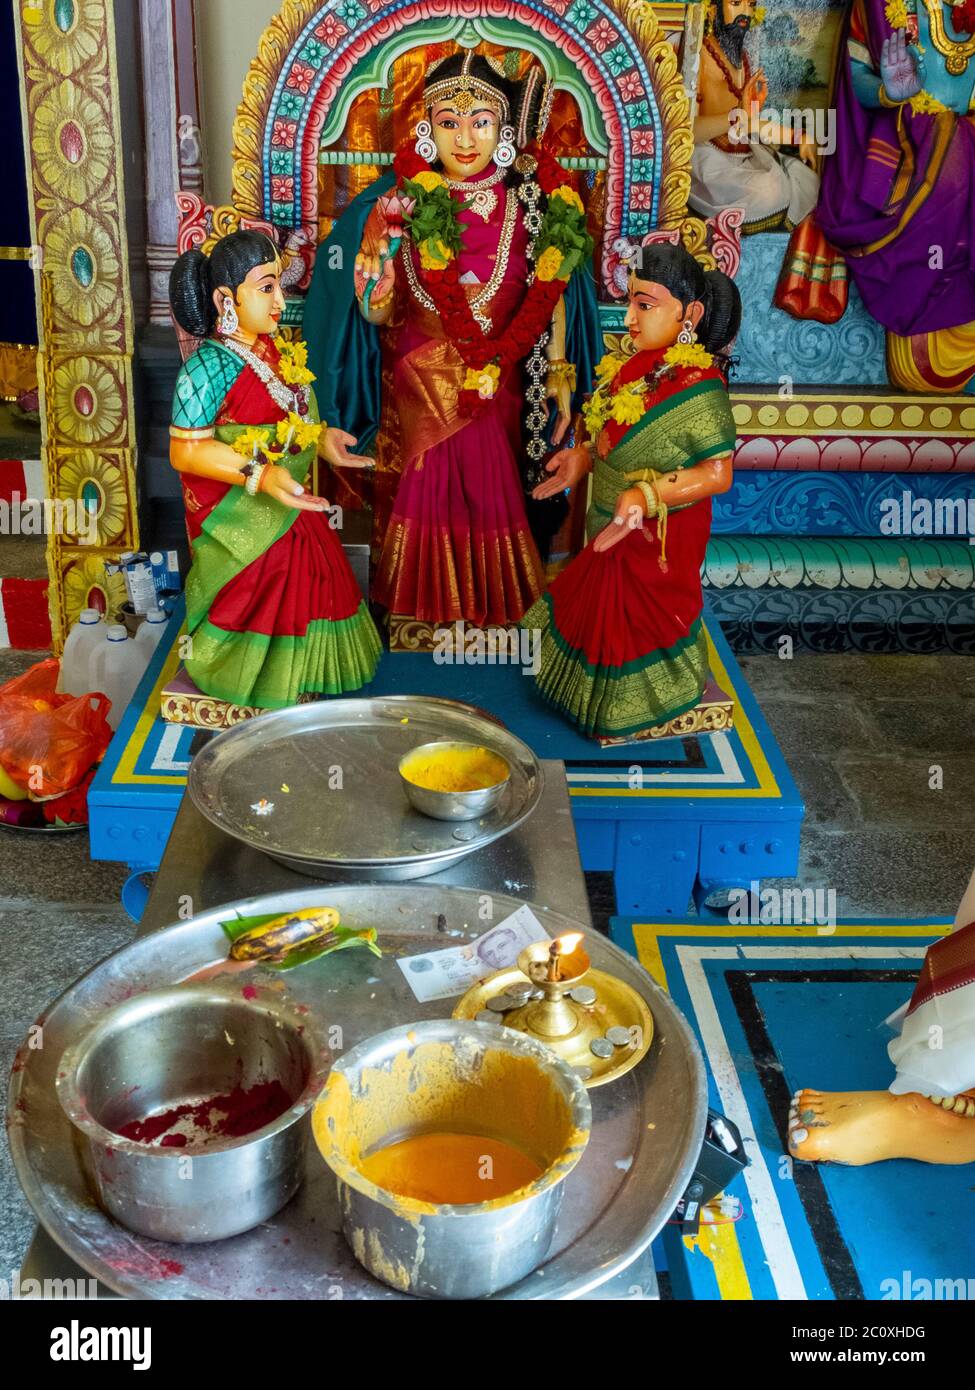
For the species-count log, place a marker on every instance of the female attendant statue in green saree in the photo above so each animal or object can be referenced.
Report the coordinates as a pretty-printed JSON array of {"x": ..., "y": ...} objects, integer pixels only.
[
  {"x": 623, "y": 643},
  {"x": 272, "y": 609}
]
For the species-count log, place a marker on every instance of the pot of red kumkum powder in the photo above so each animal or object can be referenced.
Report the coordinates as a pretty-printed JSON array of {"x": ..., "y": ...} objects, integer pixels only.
[{"x": 194, "y": 1105}]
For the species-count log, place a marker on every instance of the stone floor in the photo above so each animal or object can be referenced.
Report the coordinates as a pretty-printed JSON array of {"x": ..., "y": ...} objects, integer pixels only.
[{"x": 882, "y": 748}]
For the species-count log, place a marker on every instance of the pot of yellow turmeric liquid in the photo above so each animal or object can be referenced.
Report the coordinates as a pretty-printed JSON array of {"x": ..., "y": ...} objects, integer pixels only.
[
  {"x": 454, "y": 781},
  {"x": 451, "y": 1142}
]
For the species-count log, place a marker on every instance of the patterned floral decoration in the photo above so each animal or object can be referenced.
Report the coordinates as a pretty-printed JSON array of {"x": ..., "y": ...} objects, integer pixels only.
[
  {"x": 77, "y": 194},
  {"x": 616, "y": 44}
]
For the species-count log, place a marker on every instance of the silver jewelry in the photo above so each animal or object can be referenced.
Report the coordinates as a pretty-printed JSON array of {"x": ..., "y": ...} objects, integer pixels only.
[
  {"x": 535, "y": 446},
  {"x": 280, "y": 392},
  {"x": 481, "y": 196},
  {"x": 483, "y": 299},
  {"x": 687, "y": 334},
  {"x": 254, "y": 480},
  {"x": 229, "y": 322},
  {"x": 530, "y": 194},
  {"x": 425, "y": 146},
  {"x": 505, "y": 151}
]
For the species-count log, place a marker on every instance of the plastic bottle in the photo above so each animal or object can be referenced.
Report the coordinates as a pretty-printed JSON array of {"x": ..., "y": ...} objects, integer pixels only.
[
  {"x": 116, "y": 670},
  {"x": 84, "y": 639},
  {"x": 149, "y": 633}
]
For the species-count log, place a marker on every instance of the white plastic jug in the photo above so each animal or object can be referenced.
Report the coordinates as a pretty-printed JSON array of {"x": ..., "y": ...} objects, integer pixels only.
[
  {"x": 116, "y": 670},
  {"x": 84, "y": 639},
  {"x": 149, "y": 633}
]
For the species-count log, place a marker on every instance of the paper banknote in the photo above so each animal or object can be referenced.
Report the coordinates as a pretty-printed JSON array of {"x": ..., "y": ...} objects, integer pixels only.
[{"x": 441, "y": 974}]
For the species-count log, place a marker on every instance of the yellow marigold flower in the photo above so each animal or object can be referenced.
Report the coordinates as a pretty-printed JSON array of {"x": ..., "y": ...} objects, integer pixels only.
[
  {"x": 434, "y": 255},
  {"x": 548, "y": 263},
  {"x": 302, "y": 432},
  {"x": 896, "y": 12},
  {"x": 570, "y": 196},
  {"x": 607, "y": 366},
  {"x": 483, "y": 380},
  {"x": 627, "y": 407},
  {"x": 688, "y": 355},
  {"x": 251, "y": 438},
  {"x": 595, "y": 413},
  {"x": 428, "y": 179},
  {"x": 759, "y": 16}
]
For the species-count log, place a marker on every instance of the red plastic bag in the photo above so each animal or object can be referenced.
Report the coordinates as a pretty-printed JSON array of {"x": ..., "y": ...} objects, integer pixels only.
[{"x": 49, "y": 742}]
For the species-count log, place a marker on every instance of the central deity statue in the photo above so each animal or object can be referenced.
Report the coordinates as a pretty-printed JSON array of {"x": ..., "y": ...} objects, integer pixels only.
[{"x": 459, "y": 284}]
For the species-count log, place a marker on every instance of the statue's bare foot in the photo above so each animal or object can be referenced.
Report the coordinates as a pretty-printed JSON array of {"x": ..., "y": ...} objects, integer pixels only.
[{"x": 867, "y": 1126}]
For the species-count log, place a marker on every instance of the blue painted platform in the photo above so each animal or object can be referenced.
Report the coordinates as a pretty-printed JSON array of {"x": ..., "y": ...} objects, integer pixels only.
[
  {"x": 775, "y": 1009},
  {"x": 670, "y": 819}
]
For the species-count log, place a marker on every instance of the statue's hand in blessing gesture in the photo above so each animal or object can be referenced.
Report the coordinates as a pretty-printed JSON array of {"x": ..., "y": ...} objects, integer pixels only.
[
  {"x": 334, "y": 449},
  {"x": 629, "y": 516},
  {"x": 901, "y": 71},
  {"x": 565, "y": 469}
]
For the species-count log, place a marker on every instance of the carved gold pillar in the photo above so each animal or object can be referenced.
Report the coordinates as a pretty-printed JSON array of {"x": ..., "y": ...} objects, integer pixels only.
[{"x": 71, "y": 107}]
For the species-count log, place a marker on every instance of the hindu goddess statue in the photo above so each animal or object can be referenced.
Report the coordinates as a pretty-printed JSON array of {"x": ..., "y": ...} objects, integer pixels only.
[
  {"x": 272, "y": 608},
  {"x": 623, "y": 643},
  {"x": 471, "y": 259}
]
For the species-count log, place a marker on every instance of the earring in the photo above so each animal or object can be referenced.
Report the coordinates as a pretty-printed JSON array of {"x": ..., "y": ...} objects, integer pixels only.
[
  {"x": 424, "y": 146},
  {"x": 505, "y": 151},
  {"x": 229, "y": 322},
  {"x": 687, "y": 334}
]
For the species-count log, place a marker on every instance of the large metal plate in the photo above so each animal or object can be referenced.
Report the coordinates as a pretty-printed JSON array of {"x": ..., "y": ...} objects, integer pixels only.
[
  {"x": 646, "y": 1135},
  {"x": 344, "y": 814}
]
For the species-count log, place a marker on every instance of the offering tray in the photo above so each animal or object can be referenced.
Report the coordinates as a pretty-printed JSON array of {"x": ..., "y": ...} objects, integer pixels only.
[
  {"x": 317, "y": 786},
  {"x": 646, "y": 1136}
]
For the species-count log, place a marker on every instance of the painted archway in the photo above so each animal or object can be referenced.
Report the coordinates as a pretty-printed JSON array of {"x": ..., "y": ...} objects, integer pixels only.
[{"x": 309, "y": 50}]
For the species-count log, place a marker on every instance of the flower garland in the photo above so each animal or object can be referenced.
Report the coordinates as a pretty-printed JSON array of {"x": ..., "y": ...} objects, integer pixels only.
[
  {"x": 626, "y": 405},
  {"x": 296, "y": 432},
  {"x": 560, "y": 246}
]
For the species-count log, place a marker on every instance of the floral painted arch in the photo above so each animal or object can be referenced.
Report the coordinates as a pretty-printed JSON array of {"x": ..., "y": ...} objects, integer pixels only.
[{"x": 310, "y": 50}]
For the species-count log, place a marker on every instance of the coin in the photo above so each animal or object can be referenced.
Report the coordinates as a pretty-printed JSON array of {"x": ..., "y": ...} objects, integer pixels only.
[
  {"x": 618, "y": 1036},
  {"x": 485, "y": 1016},
  {"x": 519, "y": 992},
  {"x": 599, "y": 1047},
  {"x": 500, "y": 1003},
  {"x": 583, "y": 994},
  {"x": 583, "y": 1073}
]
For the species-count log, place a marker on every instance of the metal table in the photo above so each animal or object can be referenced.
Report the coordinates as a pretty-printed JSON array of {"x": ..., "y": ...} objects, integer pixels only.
[{"x": 202, "y": 868}]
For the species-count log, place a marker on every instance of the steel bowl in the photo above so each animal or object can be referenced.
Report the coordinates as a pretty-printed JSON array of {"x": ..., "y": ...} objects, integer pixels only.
[
  {"x": 446, "y": 1075},
  {"x": 452, "y": 805},
  {"x": 182, "y": 1046}
]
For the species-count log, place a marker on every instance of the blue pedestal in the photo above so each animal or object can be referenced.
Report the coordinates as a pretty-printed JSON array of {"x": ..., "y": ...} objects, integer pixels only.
[{"x": 669, "y": 818}]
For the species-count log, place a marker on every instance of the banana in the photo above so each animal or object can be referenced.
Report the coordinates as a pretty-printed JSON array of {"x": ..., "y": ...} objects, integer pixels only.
[{"x": 275, "y": 939}]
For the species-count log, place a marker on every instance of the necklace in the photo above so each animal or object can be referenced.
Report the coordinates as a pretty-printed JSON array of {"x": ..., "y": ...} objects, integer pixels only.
[
  {"x": 483, "y": 200},
  {"x": 480, "y": 301},
  {"x": 281, "y": 394},
  {"x": 956, "y": 52}
]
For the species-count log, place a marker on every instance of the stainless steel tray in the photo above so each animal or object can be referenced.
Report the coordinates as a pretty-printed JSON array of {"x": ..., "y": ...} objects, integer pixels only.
[
  {"x": 329, "y": 771},
  {"x": 646, "y": 1136}
]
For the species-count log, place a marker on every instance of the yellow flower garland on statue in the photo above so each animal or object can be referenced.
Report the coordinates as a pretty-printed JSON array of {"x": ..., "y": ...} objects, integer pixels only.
[
  {"x": 549, "y": 263},
  {"x": 428, "y": 179},
  {"x": 688, "y": 355},
  {"x": 303, "y": 432},
  {"x": 570, "y": 196},
  {"x": 626, "y": 406},
  {"x": 293, "y": 368},
  {"x": 434, "y": 255}
]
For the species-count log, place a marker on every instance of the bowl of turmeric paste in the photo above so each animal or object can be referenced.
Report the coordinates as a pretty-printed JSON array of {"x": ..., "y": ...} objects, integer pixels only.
[{"x": 454, "y": 781}]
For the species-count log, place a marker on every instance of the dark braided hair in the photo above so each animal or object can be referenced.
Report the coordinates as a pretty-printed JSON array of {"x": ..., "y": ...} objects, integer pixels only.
[
  {"x": 195, "y": 276},
  {"x": 678, "y": 271}
]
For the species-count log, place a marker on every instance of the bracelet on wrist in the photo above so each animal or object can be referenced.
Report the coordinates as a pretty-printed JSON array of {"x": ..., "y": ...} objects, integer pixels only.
[
  {"x": 255, "y": 479},
  {"x": 649, "y": 494},
  {"x": 560, "y": 370}
]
